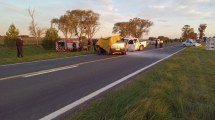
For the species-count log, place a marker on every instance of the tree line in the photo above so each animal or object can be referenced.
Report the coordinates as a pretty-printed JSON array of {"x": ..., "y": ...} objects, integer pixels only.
[
  {"x": 189, "y": 33},
  {"x": 79, "y": 23},
  {"x": 85, "y": 24}
]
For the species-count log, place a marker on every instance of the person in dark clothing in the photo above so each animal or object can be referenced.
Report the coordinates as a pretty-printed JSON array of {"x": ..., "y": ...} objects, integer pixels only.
[
  {"x": 161, "y": 43},
  {"x": 156, "y": 43},
  {"x": 19, "y": 44},
  {"x": 94, "y": 45}
]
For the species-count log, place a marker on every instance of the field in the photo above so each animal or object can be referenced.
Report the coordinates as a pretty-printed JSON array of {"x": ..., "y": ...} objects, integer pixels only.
[
  {"x": 9, "y": 56},
  {"x": 180, "y": 88},
  {"x": 28, "y": 41}
]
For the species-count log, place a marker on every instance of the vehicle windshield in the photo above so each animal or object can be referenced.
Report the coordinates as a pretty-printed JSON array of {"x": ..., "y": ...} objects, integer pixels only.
[
  {"x": 130, "y": 42},
  {"x": 120, "y": 41}
]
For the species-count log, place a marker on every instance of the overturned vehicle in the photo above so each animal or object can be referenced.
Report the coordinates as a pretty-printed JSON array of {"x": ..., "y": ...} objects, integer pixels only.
[{"x": 111, "y": 45}]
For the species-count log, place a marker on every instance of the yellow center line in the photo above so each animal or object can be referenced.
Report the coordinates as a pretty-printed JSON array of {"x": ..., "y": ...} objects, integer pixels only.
[{"x": 78, "y": 64}]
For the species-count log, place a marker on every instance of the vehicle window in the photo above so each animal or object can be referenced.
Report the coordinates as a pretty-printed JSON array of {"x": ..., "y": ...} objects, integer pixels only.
[
  {"x": 130, "y": 42},
  {"x": 125, "y": 40},
  {"x": 120, "y": 41}
]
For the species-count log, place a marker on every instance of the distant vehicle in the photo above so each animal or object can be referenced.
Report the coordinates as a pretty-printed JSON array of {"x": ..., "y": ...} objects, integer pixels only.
[
  {"x": 190, "y": 42},
  {"x": 135, "y": 44},
  {"x": 152, "y": 42},
  {"x": 67, "y": 45}
]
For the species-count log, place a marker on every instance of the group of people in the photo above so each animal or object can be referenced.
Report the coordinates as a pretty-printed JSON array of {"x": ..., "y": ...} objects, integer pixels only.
[{"x": 158, "y": 43}]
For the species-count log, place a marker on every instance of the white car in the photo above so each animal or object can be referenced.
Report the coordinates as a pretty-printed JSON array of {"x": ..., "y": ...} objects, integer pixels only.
[{"x": 190, "y": 42}]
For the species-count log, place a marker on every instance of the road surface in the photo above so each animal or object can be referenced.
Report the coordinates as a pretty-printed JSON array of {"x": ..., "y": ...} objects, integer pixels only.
[{"x": 35, "y": 90}]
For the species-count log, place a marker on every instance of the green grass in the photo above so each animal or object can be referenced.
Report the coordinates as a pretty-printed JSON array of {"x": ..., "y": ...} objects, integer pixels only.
[
  {"x": 9, "y": 55},
  {"x": 180, "y": 88}
]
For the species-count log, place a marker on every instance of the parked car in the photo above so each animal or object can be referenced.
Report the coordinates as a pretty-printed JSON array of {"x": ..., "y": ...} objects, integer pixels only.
[{"x": 190, "y": 42}]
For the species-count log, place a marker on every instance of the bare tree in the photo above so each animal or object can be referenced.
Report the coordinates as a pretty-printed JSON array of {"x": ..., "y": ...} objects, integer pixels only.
[{"x": 35, "y": 31}]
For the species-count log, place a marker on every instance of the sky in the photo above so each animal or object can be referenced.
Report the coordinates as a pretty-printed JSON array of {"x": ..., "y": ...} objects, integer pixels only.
[{"x": 168, "y": 16}]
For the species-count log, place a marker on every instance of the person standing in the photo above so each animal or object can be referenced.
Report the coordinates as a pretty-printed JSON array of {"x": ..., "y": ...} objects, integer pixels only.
[
  {"x": 19, "y": 45},
  {"x": 94, "y": 45},
  {"x": 161, "y": 43},
  {"x": 156, "y": 43}
]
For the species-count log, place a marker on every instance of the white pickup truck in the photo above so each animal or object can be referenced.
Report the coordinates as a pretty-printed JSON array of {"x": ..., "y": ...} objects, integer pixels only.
[
  {"x": 119, "y": 47},
  {"x": 135, "y": 44}
]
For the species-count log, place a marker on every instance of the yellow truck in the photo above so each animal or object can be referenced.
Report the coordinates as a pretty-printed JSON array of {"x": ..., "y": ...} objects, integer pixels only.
[{"x": 111, "y": 45}]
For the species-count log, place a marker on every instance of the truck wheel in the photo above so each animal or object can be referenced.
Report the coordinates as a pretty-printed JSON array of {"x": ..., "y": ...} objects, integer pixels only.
[
  {"x": 99, "y": 52},
  {"x": 141, "y": 48}
]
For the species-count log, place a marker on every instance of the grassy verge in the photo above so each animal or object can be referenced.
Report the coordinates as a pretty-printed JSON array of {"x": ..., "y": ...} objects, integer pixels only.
[
  {"x": 180, "y": 88},
  {"x": 8, "y": 55}
]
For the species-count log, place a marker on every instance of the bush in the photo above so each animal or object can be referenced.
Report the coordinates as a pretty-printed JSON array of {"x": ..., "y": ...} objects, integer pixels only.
[
  {"x": 10, "y": 42},
  {"x": 50, "y": 38},
  {"x": 11, "y": 36}
]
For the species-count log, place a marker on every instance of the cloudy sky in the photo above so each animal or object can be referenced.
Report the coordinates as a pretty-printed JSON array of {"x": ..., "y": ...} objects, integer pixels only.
[{"x": 169, "y": 16}]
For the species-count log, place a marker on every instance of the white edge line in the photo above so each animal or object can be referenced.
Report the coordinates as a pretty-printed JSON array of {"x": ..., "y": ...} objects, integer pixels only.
[
  {"x": 49, "y": 71},
  {"x": 86, "y": 98}
]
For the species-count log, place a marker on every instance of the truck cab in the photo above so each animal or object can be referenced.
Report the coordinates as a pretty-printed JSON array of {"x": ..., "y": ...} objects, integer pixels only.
[{"x": 134, "y": 44}]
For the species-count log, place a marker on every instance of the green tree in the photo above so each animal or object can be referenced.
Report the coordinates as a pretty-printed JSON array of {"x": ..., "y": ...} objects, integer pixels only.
[
  {"x": 139, "y": 26},
  {"x": 136, "y": 27},
  {"x": 78, "y": 19},
  {"x": 201, "y": 29},
  {"x": 165, "y": 39},
  {"x": 77, "y": 23},
  {"x": 65, "y": 25},
  {"x": 55, "y": 23},
  {"x": 92, "y": 24},
  {"x": 50, "y": 39},
  {"x": 188, "y": 32},
  {"x": 83, "y": 23},
  {"x": 152, "y": 38},
  {"x": 11, "y": 36},
  {"x": 121, "y": 28}
]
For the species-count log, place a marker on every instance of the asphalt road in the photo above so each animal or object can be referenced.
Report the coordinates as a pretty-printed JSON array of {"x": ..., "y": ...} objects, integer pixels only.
[{"x": 33, "y": 90}]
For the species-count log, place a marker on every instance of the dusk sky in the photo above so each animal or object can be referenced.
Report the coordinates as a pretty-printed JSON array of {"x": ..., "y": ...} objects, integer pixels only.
[{"x": 169, "y": 16}]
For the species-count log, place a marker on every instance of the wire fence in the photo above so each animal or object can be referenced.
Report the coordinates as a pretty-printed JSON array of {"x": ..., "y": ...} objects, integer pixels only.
[{"x": 27, "y": 41}]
